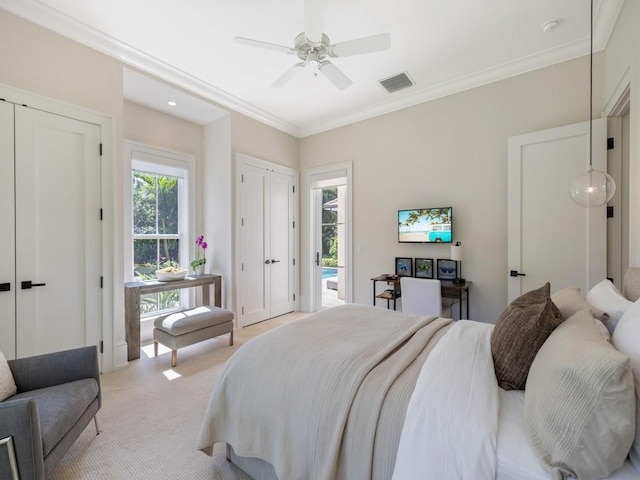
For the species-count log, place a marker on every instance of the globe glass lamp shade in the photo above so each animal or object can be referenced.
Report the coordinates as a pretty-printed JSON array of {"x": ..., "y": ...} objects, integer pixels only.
[{"x": 593, "y": 188}]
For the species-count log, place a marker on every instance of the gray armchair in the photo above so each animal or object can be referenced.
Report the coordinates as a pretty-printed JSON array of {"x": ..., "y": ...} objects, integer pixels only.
[{"x": 58, "y": 395}]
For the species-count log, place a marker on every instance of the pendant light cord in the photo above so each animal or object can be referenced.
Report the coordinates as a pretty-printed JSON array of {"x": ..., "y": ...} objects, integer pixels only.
[{"x": 591, "y": 91}]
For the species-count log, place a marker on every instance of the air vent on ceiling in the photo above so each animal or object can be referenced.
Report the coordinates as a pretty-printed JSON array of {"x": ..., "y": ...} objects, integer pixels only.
[{"x": 397, "y": 82}]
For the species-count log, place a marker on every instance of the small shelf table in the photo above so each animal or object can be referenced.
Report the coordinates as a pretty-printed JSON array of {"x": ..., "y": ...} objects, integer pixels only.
[
  {"x": 455, "y": 291},
  {"x": 133, "y": 290}
]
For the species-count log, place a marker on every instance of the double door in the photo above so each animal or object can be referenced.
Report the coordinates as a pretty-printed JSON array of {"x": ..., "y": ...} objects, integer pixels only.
[
  {"x": 50, "y": 232},
  {"x": 266, "y": 277}
]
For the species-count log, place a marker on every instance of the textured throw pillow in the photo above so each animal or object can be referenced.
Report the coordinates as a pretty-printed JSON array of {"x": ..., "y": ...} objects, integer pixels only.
[
  {"x": 626, "y": 338},
  {"x": 7, "y": 384},
  {"x": 519, "y": 333},
  {"x": 606, "y": 297},
  {"x": 580, "y": 403},
  {"x": 569, "y": 301}
]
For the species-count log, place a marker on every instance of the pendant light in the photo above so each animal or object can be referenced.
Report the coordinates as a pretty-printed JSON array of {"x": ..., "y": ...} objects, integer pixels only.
[{"x": 595, "y": 187}]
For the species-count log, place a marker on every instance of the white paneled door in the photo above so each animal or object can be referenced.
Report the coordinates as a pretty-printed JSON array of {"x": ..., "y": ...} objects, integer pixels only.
[
  {"x": 551, "y": 238},
  {"x": 266, "y": 277},
  {"x": 55, "y": 288}
]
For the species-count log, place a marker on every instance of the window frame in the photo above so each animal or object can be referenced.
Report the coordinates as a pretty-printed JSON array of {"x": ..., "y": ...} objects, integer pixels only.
[{"x": 162, "y": 162}]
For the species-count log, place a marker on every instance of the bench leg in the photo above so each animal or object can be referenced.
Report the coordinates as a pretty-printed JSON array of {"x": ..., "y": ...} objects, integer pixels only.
[
  {"x": 174, "y": 358},
  {"x": 155, "y": 349},
  {"x": 231, "y": 337},
  {"x": 95, "y": 421}
]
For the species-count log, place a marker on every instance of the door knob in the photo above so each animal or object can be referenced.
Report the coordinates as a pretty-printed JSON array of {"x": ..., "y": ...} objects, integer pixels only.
[
  {"x": 27, "y": 285},
  {"x": 5, "y": 287},
  {"x": 275, "y": 261},
  {"x": 515, "y": 273}
]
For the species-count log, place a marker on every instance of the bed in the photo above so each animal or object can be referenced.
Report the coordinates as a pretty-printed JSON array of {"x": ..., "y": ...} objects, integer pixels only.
[{"x": 360, "y": 392}]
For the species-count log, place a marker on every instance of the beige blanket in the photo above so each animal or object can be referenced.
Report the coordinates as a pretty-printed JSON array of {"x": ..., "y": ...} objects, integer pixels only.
[{"x": 323, "y": 397}]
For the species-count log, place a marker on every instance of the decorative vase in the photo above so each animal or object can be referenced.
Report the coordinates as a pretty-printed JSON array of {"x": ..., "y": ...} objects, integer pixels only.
[{"x": 200, "y": 270}]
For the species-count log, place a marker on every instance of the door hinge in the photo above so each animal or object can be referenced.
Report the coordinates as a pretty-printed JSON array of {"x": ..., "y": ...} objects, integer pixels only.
[
  {"x": 294, "y": 261},
  {"x": 101, "y": 214},
  {"x": 101, "y": 346},
  {"x": 242, "y": 310},
  {"x": 242, "y": 222},
  {"x": 294, "y": 224},
  {"x": 100, "y": 149},
  {"x": 294, "y": 189},
  {"x": 609, "y": 211},
  {"x": 610, "y": 144},
  {"x": 101, "y": 282},
  {"x": 242, "y": 268},
  {"x": 242, "y": 178},
  {"x": 294, "y": 297}
]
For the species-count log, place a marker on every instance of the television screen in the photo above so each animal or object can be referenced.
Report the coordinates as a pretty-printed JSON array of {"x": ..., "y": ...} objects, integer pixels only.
[{"x": 425, "y": 225}]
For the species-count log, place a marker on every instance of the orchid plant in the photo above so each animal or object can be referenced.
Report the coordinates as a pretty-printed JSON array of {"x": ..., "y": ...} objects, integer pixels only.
[{"x": 200, "y": 244}]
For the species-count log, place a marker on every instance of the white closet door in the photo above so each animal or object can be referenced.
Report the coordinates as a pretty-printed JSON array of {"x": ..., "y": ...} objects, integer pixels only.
[
  {"x": 7, "y": 234},
  {"x": 254, "y": 280},
  {"x": 281, "y": 230},
  {"x": 57, "y": 232}
]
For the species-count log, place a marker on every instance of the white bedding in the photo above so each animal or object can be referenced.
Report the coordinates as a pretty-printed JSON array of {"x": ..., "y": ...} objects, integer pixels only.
[
  {"x": 451, "y": 425},
  {"x": 456, "y": 390}
]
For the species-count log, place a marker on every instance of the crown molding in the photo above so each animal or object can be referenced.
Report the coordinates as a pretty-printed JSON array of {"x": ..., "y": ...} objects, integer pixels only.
[
  {"x": 60, "y": 23},
  {"x": 47, "y": 17}
]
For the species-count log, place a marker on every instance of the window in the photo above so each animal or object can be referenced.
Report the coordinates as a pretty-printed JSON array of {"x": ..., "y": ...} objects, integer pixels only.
[{"x": 159, "y": 221}]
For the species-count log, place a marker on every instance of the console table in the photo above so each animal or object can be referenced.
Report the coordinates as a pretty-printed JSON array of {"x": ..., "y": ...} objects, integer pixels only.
[
  {"x": 455, "y": 291},
  {"x": 133, "y": 290}
]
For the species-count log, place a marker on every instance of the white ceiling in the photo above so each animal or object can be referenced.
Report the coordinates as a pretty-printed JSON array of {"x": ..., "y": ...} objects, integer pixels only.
[{"x": 444, "y": 46}]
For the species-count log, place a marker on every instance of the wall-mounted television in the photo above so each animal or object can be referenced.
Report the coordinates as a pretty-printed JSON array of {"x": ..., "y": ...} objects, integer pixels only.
[{"x": 425, "y": 225}]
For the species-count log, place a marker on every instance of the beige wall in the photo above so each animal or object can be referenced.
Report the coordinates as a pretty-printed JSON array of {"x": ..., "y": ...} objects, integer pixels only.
[
  {"x": 451, "y": 151},
  {"x": 46, "y": 64}
]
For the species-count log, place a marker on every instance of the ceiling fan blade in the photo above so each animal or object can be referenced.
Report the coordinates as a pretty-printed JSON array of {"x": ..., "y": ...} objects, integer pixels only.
[
  {"x": 288, "y": 75},
  {"x": 314, "y": 14},
  {"x": 374, "y": 43},
  {"x": 334, "y": 75},
  {"x": 259, "y": 44}
]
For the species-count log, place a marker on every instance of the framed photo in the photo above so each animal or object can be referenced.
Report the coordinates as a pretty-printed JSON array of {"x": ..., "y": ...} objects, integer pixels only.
[
  {"x": 423, "y": 268},
  {"x": 404, "y": 267},
  {"x": 447, "y": 269}
]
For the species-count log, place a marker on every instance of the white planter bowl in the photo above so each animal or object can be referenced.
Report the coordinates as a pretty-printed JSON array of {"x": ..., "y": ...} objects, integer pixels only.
[{"x": 170, "y": 276}]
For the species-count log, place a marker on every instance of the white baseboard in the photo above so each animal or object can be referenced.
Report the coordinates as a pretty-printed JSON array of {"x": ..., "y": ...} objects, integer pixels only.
[{"x": 120, "y": 355}]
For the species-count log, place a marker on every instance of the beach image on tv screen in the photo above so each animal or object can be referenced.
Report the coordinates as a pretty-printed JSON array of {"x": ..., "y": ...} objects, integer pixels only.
[{"x": 428, "y": 225}]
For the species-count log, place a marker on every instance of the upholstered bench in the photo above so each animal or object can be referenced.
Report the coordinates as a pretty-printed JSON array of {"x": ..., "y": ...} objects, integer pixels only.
[{"x": 180, "y": 329}]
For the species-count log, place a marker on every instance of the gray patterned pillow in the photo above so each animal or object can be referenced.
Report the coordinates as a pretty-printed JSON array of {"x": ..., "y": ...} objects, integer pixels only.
[{"x": 519, "y": 333}]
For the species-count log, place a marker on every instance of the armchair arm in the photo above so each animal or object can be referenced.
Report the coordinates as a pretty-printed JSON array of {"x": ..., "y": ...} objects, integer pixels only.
[
  {"x": 55, "y": 368},
  {"x": 19, "y": 420}
]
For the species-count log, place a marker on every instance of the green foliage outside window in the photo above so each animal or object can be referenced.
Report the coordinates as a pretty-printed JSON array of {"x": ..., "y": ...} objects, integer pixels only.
[{"x": 155, "y": 214}]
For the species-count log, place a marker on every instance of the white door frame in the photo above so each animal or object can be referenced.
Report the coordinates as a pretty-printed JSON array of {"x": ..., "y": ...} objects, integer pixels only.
[
  {"x": 315, "y": 178},
  {"x": 110, "y": 300},
  {"x": 240, "y": 159},
  {"x": 594, "y": 217}
]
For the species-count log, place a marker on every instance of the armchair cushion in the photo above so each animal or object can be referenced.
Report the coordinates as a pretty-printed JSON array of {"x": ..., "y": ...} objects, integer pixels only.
[
  {"x": 7, "y": 384},
  {"x": 60, "y": 407}
]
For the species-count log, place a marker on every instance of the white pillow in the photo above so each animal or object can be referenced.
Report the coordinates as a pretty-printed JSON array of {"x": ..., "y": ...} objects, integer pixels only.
[
  {"x": 7, "y": 384},
  {"x": 579, "y": 402},
  {"x": 626, "y": 339},
  {"x": 606, "y": 297}
]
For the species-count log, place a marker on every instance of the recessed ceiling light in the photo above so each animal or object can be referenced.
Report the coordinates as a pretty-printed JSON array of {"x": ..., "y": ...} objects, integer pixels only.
[
  {"x": 172, "y": 103},
  {"x": 550, "y": 25}
]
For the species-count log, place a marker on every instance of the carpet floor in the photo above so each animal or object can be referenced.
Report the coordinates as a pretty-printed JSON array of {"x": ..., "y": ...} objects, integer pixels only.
[{"x": 151, "y": 416}]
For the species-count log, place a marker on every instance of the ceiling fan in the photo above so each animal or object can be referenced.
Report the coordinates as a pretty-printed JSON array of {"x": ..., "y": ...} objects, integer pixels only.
[{"x": 313, "y": 47}]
